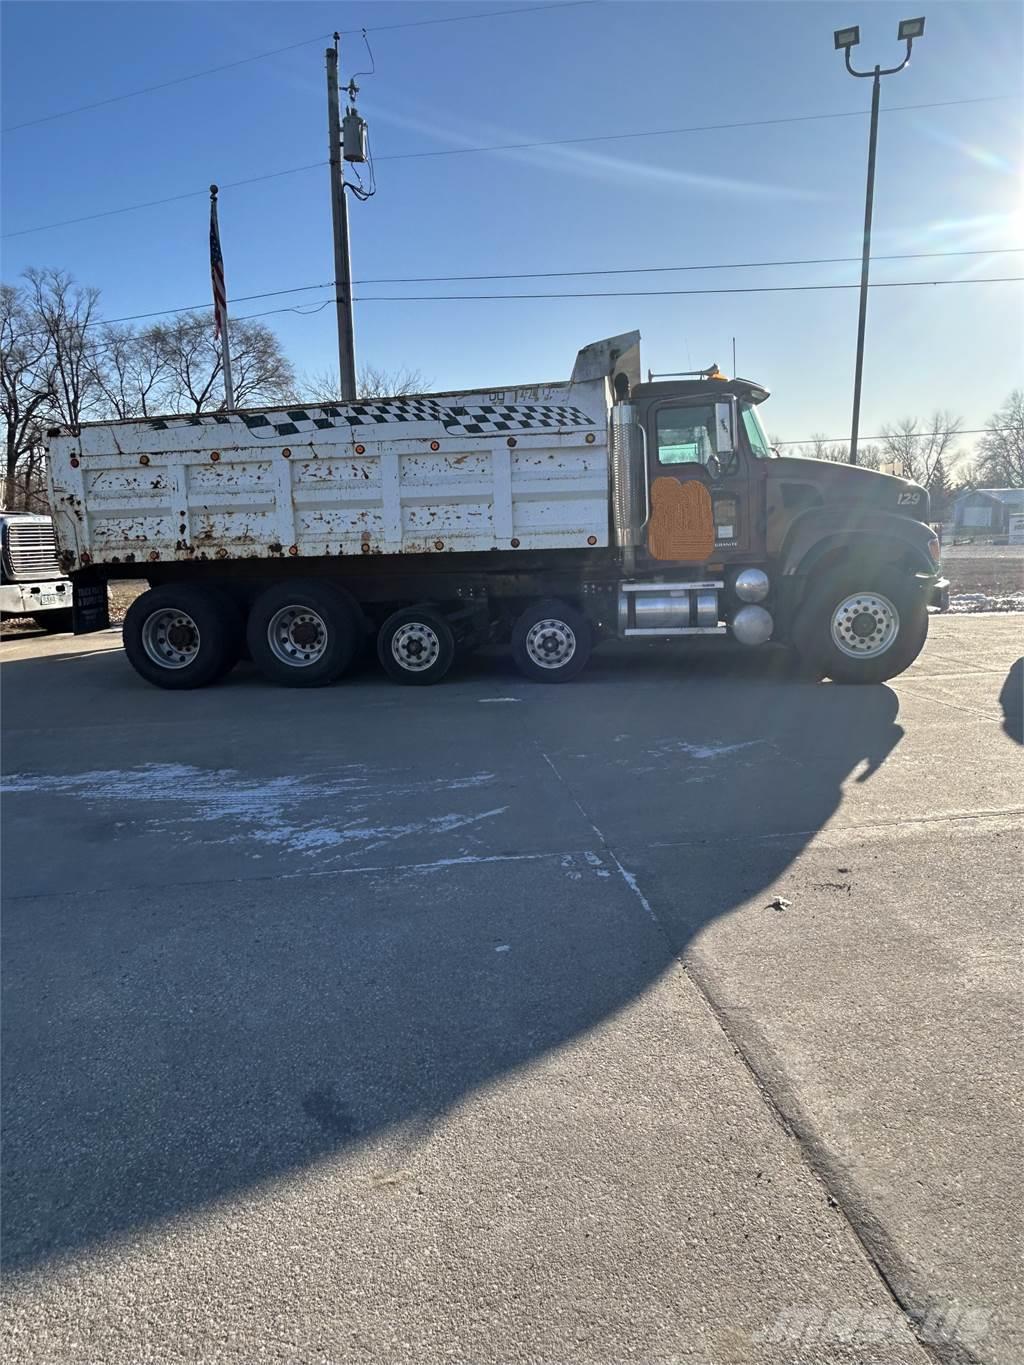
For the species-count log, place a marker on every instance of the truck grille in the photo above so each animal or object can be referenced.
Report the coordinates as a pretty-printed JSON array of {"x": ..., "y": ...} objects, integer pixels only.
[{"x": 31, "y": 550}]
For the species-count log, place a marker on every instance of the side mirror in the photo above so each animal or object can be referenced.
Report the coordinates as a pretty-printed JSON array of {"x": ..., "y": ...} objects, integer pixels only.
[{"x": 725, "y": 436}]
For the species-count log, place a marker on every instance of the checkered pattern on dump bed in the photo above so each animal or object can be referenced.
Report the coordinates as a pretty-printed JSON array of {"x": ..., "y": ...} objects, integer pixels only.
[{"x": 459, "y": 420}]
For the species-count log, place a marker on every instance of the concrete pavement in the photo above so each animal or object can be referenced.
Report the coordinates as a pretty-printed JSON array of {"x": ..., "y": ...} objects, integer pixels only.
[{"x": 380, "y": 1023}]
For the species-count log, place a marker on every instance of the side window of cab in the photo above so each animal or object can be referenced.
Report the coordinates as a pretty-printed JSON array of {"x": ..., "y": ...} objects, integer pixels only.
[{"x": 685, "y": 434}]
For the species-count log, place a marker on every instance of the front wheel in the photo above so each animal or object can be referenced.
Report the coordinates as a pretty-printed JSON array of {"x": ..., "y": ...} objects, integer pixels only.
[
  {"x": 551, "y": 642},
  {"x": 855, "y": 631}
]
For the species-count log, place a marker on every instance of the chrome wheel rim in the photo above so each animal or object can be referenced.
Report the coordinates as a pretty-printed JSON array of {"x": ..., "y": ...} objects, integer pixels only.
[
  {"x": 170, "y": 638},
  {"x": 550, "y": 643},
  {"x": 864, "y": 625},
  {"x": 297, "y": 636},
  {"x": 415, "y": 646}
]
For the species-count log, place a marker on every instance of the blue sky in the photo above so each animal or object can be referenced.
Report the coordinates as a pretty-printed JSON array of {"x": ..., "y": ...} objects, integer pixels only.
[{"x": 948, "y": 179}]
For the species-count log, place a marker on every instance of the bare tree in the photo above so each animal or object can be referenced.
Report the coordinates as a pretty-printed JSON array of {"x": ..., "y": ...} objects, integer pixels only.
[
  {"x": 1001, "y": 449},
  {"x": 915, "y": 450},
  {"x": 377, "y": 383},
  {"x": 192, "y": 359},
  {"x": 372, "y": 382},
  {"x": 63, "y": 313},
  {"x": 25, "y": 381},
  {"x": 131, "y": 370},
  {"x": 821, "y": 448},
  {"x": 59, "y": 364}
]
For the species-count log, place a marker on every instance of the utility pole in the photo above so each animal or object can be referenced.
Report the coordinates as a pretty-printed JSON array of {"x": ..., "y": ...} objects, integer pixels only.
[
  {"x": 845, "y": 39},
  {"x": 339, "y": 215}
]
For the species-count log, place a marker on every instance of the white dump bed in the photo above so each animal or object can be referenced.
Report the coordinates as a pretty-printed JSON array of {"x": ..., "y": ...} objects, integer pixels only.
[{"x": 524, "y": 468}]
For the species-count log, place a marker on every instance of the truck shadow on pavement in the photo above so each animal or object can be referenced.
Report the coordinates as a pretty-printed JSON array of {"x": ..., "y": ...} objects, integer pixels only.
[
  {"x": 1011, "y": 699},
  {"x": 269, "y": 928}
]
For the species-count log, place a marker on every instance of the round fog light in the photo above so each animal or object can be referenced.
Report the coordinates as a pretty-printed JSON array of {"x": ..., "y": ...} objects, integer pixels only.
[
  {"x": 751, "y": 585},
  {"x": 752, "y": 626}
]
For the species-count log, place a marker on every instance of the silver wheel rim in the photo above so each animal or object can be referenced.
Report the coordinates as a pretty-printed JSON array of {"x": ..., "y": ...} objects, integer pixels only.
[
  {"x": 170, "y": 638},
  {"x": 864, "y": 625},
  {"x": 297, "y": 636},
  {"x": 415, "y": 646},
  {"x": 550, "y": 643}
]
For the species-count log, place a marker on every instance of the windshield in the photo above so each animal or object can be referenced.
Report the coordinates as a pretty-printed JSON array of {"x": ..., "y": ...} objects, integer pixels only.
[{"x": 755, "y": 432}]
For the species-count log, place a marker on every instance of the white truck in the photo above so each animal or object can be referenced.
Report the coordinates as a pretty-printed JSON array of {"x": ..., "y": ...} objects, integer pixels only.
[
  {"x": 552, "y": 516},
  {"x": 31, "y": 582}
]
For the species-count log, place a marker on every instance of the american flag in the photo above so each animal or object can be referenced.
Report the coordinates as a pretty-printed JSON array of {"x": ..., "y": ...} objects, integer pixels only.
[{"x": 220, "y": 297}]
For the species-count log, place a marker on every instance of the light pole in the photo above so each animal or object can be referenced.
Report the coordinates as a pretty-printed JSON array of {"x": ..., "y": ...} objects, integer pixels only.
[{"x": 845, "y": 38}]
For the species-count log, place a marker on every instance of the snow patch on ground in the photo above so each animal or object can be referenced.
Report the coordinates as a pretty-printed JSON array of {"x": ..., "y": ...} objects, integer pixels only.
[
  {"x": 670, "y": 751},
  {"x": 678, "y": 746},
  {"x": 265, "y": 810},
  {"x": 961, "y": 603}
]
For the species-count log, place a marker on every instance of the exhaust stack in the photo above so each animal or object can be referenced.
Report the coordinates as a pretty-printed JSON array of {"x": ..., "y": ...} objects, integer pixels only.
[{"x": 629, "y": 485}]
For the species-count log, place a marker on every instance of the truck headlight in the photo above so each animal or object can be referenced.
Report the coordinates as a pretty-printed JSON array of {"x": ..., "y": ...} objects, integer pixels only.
[{"x": 751, "y": 585}]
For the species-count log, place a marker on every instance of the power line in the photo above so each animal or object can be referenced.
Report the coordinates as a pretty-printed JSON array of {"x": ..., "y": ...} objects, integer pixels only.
[
  {"x": 164, "y": 85},
  {"x": 695, "y": 128},
  {"x": 459, "y": 18},
  {"x": 198, "y": 307},
  {"x": 170, "y": 199},
  {"x": 244, "y": 317},
  {"x": 625, "y": 294},
  {"x": 914, "y": 435},
  {"x": 275, "y": 52},
  {"x": 504, "y": 147},
  {"x": 672, "y": 293},
  {"x": 667, "y": 269}
]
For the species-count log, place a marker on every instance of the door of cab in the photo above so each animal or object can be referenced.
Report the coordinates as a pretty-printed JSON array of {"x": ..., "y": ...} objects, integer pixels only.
[{"x": 699, "y": 481}]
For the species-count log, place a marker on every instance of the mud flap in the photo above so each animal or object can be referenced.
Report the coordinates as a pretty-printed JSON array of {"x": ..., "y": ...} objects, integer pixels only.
[{"x": 91, "y": 608}]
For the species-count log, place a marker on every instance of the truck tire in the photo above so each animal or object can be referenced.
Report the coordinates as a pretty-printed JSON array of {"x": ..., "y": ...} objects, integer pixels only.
[
  {"x": 303, "y": 634},
  {"x": 181, "y": 636},
  {"x": 55, "y": 622},
  {"x": 862, "y": 628},
  {"x": 416, "y": 646},
  {"x": 551, "y": 642}
]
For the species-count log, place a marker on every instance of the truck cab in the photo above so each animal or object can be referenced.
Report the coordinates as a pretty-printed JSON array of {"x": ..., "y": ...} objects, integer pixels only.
[
  {"x": 834, "y": 560},
  {"x": 705, "y": 446},
  {"x": 31, "y": 582}
]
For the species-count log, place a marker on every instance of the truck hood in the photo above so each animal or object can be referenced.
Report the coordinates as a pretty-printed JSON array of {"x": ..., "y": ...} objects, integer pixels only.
[{"x": 851, "y": 483}]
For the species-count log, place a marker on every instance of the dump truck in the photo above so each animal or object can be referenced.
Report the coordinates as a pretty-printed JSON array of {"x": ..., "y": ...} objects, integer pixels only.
[
  {"x": 551, "y": 517},
  {"x": 31, "y": 582}
]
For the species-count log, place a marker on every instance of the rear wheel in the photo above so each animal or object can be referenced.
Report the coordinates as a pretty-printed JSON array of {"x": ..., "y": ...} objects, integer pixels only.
[
  {"x": 551, "y": 642},
  {"x": 303, "y": 634},
  {"x": 858, "y": 629},
  {"x": 180, "y": 636},
  {"x": 416, "y": 646}
]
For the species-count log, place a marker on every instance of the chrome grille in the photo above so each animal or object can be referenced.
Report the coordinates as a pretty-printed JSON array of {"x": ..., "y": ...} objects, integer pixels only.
[{"x": 31, "y": 550}]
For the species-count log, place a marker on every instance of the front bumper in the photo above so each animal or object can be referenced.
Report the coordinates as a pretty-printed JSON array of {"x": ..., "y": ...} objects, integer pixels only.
[
  {"x": 30, "y": 599},
  {"x": 938, "y": 594}
]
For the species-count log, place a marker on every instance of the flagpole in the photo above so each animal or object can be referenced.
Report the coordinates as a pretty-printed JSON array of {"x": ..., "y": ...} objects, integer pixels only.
[{"x": 220, "y": 302}]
